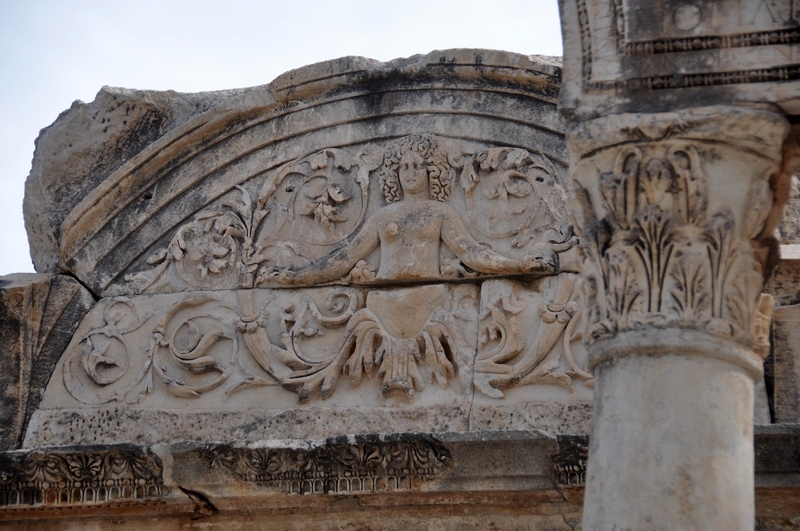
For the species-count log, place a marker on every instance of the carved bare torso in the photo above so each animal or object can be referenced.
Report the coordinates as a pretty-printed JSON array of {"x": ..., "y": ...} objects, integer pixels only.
[{"x": 410, "y": 236}]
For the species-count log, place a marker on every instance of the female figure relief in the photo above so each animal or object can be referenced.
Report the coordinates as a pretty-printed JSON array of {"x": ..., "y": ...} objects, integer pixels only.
[
  {"x": 416, "y": 183},
  {"x": 402, "y": 331}
]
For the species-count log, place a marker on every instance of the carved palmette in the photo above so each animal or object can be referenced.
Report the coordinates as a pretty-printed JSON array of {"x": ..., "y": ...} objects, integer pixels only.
[
  {"x": 360, "y": 465},
  {"x": 63, "y": 478}
]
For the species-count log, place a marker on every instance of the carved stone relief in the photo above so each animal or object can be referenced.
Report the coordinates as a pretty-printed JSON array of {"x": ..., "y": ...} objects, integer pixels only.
[
  {"x": 661, "y": 245},
  {"x": 420, "y": 209},
  {"x": 377, "y": 226},
  {"x": 570, "y": 463},
  {"x": 118, "y": 475},
  {"x": 528, "y": 333},
  {"x": 343, "y": 467},
  {"x": 307, "y": 342},
  {"x": 620, "y": 57},
  {"x": 412, "y": 350}
]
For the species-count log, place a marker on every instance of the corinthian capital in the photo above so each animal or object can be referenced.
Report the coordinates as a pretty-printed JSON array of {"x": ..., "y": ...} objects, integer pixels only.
[{"x": 676, "y": 213}]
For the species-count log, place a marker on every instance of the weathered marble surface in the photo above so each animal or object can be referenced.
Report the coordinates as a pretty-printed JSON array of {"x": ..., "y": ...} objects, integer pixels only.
[
  {"x": 88, "y": 142},
  {"x": 676, "y": 214},
  {"x": 313, "y": 256},
  {"x": 506, "y": 480},
  {"x": 38, "y": 315},
  {"x": 246, "y": 365},
  {"x": 676, "y": 118},
  {"x": 627, "y": 56},
  {"x": 319, "y": 132},
  {"x": 789, "y": 231},
  {"x": 786, "y": 394},
  {"x": 430, "y": 481}
]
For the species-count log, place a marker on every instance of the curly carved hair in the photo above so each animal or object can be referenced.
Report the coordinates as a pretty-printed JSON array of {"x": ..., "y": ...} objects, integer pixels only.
[{"x": 439, "y": 176}]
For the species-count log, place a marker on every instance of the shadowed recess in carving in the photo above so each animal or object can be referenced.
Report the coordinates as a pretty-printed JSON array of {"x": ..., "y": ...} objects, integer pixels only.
[
  {"x": 70, "y": 478},
  {"x": 362, "y": 465}
]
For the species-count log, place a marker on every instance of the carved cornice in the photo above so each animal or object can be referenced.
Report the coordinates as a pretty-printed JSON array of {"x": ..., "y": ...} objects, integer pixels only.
[
  {"x": 676, "y": 213},
  {"x": 80, "y": 476},
  {"x": 627, "y": 55},
  {"x": 365, "y": 464},
  {"x": 570, "y": 463}
]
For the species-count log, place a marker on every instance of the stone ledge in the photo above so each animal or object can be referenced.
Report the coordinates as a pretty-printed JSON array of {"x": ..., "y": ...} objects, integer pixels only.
[{"x": 427, "y": 472}]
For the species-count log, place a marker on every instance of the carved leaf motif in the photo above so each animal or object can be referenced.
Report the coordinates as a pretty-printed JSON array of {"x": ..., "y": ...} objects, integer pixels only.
[
  {"x": 31, "y": 479},
  {"x": 84, "y": 466},
  {"x": 92, "y": 358},
  {"x": 179, "y": 389},
  {"x": 198, "y": 344},
  {"x": 653, "y": 242},
  {"x": 722, "y": 253},
  {"x": 622, "y": 296},
  {"x": 620, "y": 189},
  {"x": 328, "y": 464},
  {"x": 520, "y": 194},
  {"x": 655, "y": 182},
  {"x": 519, "y": 357},
  {"x": 468, "y": 178},
  {"x": 742, "y": 303},
  {"x": 40, "y": 467},
  {"x": 690, "y": 294},
  {"x": 362, "y": 272},
  {"x": 691, "y": 185},
  {"x": 369, "y": 349}
]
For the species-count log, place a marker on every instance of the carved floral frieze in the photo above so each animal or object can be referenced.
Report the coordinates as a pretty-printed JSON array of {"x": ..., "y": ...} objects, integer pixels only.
[
  {"x": 62, "y": 478},
  {"x": 336, "y": 467},
  {"x": 364, "y": 215},
  {"x": 311, "y": 342},
  {"x": 395, "y": 219},
  {"x": 306, "y": 342}
]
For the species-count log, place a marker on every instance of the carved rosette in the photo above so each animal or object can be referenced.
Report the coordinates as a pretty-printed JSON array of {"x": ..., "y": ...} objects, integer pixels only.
[{"x": 676, "y": 213}]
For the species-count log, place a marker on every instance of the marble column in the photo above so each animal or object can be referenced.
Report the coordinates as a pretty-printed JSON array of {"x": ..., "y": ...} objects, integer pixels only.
[{"x": 674, "y": 212}]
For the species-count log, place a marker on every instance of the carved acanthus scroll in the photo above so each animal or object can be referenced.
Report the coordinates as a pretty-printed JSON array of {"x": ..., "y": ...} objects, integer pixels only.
[
  {"x": 190, "y": 345},
  {"x": 527, "y": 333},
  {"x": 307, "y": 211},
  {"x": 420, "y": 210},
  {"x": 314, "y": 202}
]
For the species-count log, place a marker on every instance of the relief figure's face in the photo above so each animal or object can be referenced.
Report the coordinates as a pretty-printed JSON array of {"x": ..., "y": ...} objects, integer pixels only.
[{"x": 413, "y": 173}]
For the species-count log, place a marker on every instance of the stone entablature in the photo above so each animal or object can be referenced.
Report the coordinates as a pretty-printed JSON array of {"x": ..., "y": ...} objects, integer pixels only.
[
  {"x": 509, "y": 479},
  {"x": 625, "y": 56}
]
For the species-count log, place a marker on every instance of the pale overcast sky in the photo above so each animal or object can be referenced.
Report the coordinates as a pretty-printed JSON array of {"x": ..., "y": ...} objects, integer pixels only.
[{"x": 54, "y": 52}]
